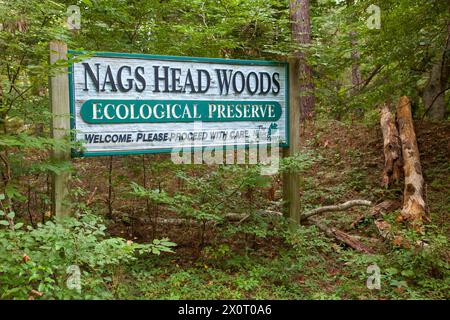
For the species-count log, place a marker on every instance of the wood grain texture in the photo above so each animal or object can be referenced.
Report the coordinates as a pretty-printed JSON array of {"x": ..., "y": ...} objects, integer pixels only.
[
  {"x": 59, "y": 100},
  {"x": 413, "y": 196},
  {"x": 291, "y": 186},
  {"x": 391, "y": 147}
]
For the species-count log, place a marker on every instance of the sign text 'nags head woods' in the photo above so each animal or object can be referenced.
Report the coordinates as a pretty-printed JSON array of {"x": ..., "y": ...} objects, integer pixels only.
[{"x": 129, "y": 103}]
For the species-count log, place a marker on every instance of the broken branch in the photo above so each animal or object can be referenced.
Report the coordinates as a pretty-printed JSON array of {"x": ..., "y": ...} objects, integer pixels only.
[
  {"x": 339, "y": 207},
  {"x": 342, "y": 237}
]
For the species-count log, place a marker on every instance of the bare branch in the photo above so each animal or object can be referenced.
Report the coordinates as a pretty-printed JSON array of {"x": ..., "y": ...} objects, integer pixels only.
[{"x": 339, "y": 207}]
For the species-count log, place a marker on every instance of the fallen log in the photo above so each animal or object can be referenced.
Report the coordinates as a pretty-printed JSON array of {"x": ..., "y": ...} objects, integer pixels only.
[
  {"x": 381, "y": 208},
  {"x": 341, "y": 236},
  {"x": 391, "y": 147},
  {"x": 339, "y": 207},
  {"x": 414, "y": 206}
]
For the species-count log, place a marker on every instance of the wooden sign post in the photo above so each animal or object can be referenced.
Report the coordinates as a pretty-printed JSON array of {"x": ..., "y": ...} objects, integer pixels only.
[
  {"x": 291, "y": 186},
  {"x": 59, "y": 100}
]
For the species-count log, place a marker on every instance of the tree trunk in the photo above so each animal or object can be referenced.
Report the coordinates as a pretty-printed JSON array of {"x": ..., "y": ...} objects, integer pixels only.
[
  {"x": 110, "y": 188},
  {"x": 356, "y": 74},
  {"x": 301, "y": 34},
  {"x": 433, "y": 98},
  {"x": 392, "y": 148},
  {"x": 434, "y": 91},
  {"x": 413, "y": 200}
]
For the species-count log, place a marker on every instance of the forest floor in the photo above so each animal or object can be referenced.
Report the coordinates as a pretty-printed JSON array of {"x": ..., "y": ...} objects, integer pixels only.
[{"x": 305, "y": 264}]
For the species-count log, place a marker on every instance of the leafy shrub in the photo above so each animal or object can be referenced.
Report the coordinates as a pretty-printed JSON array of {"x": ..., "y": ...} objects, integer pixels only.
[
  {"x": 419, "y": 271},
  {"x": 35, "y": 262}
]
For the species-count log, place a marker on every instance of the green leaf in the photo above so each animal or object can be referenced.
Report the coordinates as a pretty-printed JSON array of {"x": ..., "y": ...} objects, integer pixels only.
[
  {"x": 18, "y": 225},
  {"x": 407, "y": 273},
  {"x": 13, "y": 192},
  {"x": 87, "y": 2},
  {"x": 392, "y": 271},
  {"x": 4, "y": 222},
  {"x": 168, "y": 244}
]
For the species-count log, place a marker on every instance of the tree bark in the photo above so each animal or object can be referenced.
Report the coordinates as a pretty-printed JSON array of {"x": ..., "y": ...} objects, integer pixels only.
[
  {"x": 413, "y": 196},
  {"x": 301, "y": 34},
  {"x": 391, "y": 147}
]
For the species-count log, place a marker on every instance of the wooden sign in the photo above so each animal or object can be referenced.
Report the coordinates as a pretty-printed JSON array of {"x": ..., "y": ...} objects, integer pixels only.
[{"x": 133, "y": 103}]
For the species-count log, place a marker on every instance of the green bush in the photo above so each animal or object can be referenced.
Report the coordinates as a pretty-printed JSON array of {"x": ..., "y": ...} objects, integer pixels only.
[{"x": 41, "y": 262}]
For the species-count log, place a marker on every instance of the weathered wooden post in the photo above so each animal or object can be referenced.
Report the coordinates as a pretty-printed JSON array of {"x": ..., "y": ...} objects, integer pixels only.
[
  {"x": 291, "y": 186},
  {"x": 60, "y": 126}
]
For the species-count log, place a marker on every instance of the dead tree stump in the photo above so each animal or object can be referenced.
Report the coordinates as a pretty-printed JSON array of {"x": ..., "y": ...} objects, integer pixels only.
[
  {"x": 413, "y": 197},
  {"x": 391, "y": 147}
]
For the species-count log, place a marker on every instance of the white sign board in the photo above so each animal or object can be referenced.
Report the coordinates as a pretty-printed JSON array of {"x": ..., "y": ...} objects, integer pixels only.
[{"x": 132, "y": 103}]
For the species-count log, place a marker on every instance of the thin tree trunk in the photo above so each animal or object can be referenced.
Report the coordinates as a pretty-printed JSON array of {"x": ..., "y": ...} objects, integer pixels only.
[
  {"x": 301, "y": 34},
  {"x": 147, "y": 201},
  {"x": 356, "y": 74},
  {"x": 434, "y": 91},
  {"x": 30, "y": 215},
  {"x": 431, "y": 100},
  {"x": 110, "y": 188},
  {"x": 413, "y": 196},
  {"x": 48, "y": 191}
]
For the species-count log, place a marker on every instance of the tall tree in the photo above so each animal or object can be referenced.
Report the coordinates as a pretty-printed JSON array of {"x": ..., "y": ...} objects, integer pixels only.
[{"x": 301, "y": 34}]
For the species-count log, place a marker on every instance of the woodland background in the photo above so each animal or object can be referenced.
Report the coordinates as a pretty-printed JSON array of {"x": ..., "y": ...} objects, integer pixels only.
[{"x": 144, "y": 228}]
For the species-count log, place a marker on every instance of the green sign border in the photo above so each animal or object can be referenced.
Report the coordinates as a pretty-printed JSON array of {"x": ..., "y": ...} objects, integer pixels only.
[{"x": 76, "y": 153}]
